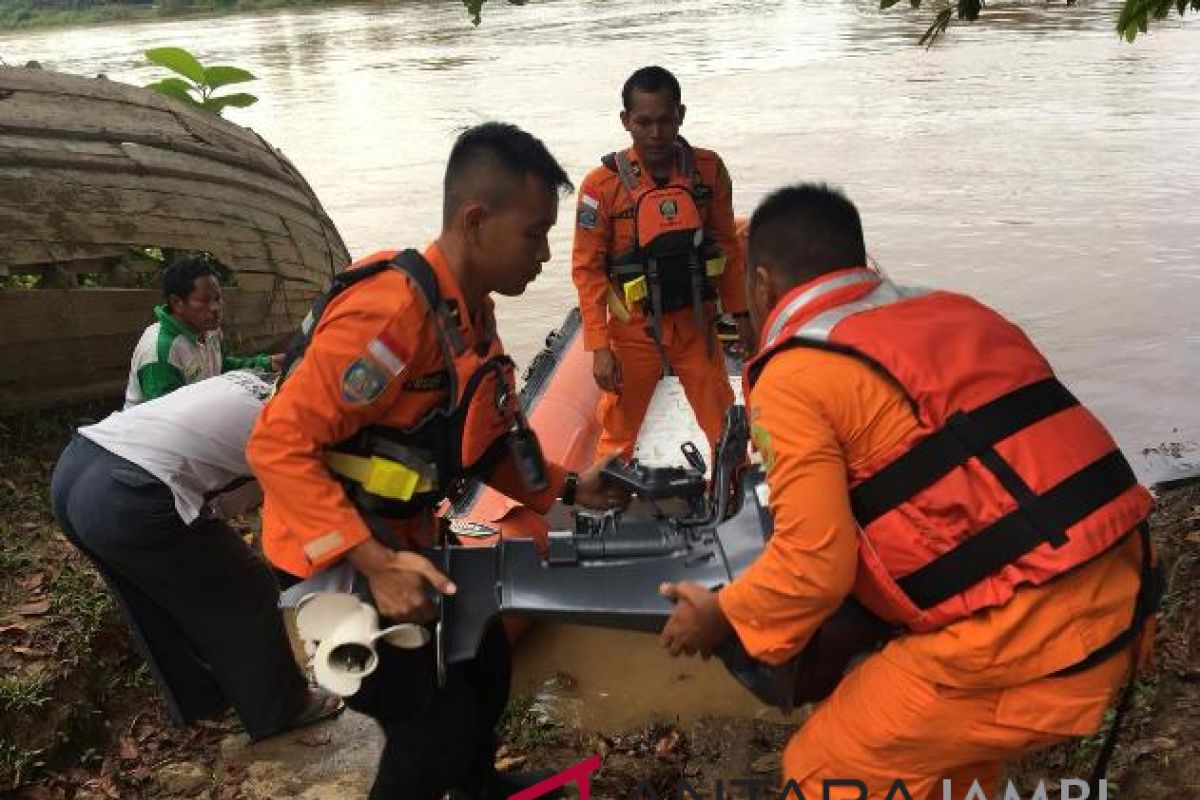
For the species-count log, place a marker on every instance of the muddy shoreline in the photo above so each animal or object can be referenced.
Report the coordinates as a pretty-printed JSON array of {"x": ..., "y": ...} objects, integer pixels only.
[{"x": 79, "y": 719}]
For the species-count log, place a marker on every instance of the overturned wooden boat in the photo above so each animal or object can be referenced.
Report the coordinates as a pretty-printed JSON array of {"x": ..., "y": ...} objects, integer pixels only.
[{"x": 96, "y": 178}]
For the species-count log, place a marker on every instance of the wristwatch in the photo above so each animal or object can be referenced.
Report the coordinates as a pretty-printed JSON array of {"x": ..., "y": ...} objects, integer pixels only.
[{"x": 570, "y": 484}]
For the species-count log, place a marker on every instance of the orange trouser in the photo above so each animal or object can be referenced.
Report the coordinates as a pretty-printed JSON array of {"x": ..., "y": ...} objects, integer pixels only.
[
  {"x": 884, "y": 724},
  {"x": 702, "y": 374}
]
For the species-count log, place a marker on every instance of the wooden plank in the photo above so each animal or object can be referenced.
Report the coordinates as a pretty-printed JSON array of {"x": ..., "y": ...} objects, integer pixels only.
[
  {"x": 44, "y": 89},
  {"x": 60, "y": 183},
  {"x": 138, "y": 159},
  {"x": 49, "y": 363},
  {"x": 255, "y": 157},
  {"x": 31, "y": 396},
  {"x": 59, "y": 315},
  {"x": 39, "y": 203},
  {"x": 266, "y": 255},
  {"x": 110, "y": 226}
]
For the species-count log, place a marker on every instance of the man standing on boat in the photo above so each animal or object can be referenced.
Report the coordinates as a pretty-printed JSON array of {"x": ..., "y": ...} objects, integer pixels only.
[
  {"x": 398, "y": 391},
  {"x": 655, "y": 248},
  {"x": 923, "y": 459}
]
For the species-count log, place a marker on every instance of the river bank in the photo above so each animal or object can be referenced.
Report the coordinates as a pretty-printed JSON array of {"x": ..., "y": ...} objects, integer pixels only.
[
  {"x": 79, "y": 720},
  {"x": 18, "y": 15}
]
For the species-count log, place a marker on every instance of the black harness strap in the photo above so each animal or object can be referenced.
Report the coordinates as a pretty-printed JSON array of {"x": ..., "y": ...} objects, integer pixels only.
[
  {"x": 1020, "y": 531},
  {"x": 968, "y": 434}
]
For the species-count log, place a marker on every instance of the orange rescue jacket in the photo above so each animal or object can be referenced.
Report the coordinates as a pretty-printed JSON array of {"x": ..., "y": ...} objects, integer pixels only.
[
  {"x": 393, "y": 397},
  {"x": 1006, "y": 481},
  {"x": 608, "y": 233}
]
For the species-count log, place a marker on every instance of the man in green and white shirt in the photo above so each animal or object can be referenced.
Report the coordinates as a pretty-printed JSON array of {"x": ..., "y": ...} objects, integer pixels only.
[{"x": 185, "y": 346}]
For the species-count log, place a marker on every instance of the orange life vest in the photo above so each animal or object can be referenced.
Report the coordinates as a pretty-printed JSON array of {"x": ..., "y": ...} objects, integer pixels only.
[
  {"x": 673, "y": 263},
  {"x": 1008, "y": 480},
  {"x": 399, "y": 472}
]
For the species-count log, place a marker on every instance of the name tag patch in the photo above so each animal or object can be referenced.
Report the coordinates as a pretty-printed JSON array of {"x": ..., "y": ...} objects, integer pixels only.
[{"x": 434, "y": 381}]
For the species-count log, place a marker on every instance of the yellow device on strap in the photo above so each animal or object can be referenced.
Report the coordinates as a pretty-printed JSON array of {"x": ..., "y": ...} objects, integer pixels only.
[
  {"x": 715, "y": 267},
  {"x": 616, "y": 307},
  {"x": 379, "y": 476},
  {"x": 635, "y": 290}
]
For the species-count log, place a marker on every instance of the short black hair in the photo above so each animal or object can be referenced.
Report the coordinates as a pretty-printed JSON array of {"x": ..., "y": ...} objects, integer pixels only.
[
  {"x": 650, "y": 79},
  {"x": 482, "y": 152},
  {"x": 805, "y": 231},
  {"x": 180, "y": 274}
]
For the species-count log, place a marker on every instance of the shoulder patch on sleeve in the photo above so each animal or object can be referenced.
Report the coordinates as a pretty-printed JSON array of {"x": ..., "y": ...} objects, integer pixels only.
[
  {"x": 363, "y": 381},
  {"x": 587, "y": 217}
]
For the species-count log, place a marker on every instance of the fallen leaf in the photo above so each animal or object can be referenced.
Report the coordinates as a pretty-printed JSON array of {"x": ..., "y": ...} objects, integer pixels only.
[
  {"x": 1158, "y": 744},
  {"x": 768, "y": 763},
  {"x": 34, "y": 609},
  {"x": 32, "y": 582},
  {"x": 13, "y": 631},
  {"x": 1193, "y": 537},
  {"x": 128, "y": 749},
  {"x": 315, "y": 738},
  {"x": 510, "y": 763},
  {"x": 27, "y": 651}
]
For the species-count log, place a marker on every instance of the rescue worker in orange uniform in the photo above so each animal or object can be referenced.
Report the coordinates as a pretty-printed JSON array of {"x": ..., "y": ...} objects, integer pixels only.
[
  {"x": 922, "y": 458},
  {"x": 397, "y": 389},
  {"x": 655, "y": 248}
]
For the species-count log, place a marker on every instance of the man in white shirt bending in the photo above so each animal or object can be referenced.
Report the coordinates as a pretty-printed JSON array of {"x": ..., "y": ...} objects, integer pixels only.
[{"x": 145, "y": 494}]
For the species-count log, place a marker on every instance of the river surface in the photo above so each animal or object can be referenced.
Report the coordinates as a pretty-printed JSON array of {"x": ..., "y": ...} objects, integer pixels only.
[{"x": 1033, "y": 159}]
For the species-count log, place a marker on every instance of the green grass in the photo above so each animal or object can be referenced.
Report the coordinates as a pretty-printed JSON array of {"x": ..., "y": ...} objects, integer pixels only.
[
  {"x": 523, "y": 728},
  {"x": 24, "y": 694},
  {"x": 80, "y": 602},
  {"x": 18, "y": 761}
]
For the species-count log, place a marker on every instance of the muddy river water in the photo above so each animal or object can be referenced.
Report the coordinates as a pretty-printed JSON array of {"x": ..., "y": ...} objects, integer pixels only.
[{"x": 1033, "y": 160}]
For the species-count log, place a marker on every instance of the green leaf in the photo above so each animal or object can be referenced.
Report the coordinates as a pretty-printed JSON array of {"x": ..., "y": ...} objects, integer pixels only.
[
  {"x": 178, "y": 60},
  {"x": 174, "y": 87},
  {"x": 216, "y": 77},
  {"x": 239, "y": 100}
]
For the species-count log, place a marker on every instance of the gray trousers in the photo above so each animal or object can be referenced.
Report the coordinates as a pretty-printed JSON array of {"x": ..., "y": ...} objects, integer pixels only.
[{"x": 201, "y": 606}]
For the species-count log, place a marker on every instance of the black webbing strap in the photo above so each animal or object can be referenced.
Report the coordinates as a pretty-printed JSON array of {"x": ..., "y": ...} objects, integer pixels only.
[
  {"x": 966, "y": 434},
  {"x": 1149, "y": 598},
  {"x": 1020, "y": 531},
  {"x": 654, "y": 323},
  {"x": 412, "y": 264},
  {"x": 340, "y": 283}
]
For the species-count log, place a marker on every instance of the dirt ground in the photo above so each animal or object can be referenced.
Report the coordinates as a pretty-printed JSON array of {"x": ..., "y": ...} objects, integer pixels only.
[{"x": 80, "y": 720}]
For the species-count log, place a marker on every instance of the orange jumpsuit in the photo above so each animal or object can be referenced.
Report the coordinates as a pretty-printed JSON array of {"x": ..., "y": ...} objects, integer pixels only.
[
  {"x": 953, "y": 703},
  {"x": 604, "y": 228},
  {"x": 308, "y": 523}
]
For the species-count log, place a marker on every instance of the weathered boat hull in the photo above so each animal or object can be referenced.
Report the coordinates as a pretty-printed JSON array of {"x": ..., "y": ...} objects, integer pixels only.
[{"x": 91, "y": 170}]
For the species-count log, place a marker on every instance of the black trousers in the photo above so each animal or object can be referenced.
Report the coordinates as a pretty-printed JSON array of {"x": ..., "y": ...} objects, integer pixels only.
[
  {"x": 437, "y": 738},
  {"x": 202, "y": 607}
]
